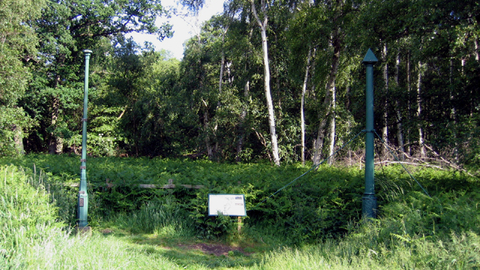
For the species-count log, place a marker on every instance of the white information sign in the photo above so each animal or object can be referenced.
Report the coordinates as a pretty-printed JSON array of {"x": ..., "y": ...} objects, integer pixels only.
[{"x": 227, "y": 205}]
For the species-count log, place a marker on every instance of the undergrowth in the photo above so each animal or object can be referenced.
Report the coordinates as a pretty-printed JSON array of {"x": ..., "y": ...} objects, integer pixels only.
[{"x": 316, "y": 220}]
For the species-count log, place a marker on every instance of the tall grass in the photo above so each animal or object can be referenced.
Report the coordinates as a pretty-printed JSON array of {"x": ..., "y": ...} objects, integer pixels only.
[
  {"x": 365, "y": 251},
  {"x": 61, "y": 251},
  {"x": 33, "y": 237},
  {"x": 26, "y": 216},
  {"x": 160, "y": 217}
]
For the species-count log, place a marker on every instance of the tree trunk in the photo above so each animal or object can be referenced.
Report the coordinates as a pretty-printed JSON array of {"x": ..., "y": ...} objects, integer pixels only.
[
  {"x": 329, "y": 104},
  {"x": 349, "y": 123},
  {"x": 331, "y": 87},
  {"x": 385, "y": 104},
  {"x": 477, "y": 53},
  {"x": 302, "y": 105},
  {"x": 268, "y": 95},
  {"x": 453, "y": 110},
  {"x": 421, "y": 139},
  {"x": 216, "y": 149},
  {"x": 18, "y": 138},
  {"x": 401, "y": 145},
  {"x": 241, "y": 126},
  {"x": 53, "y": 142},
  {"x": 206, "y": 127},
  {"x": 222, "y": 68},
  {"x": 409, "y": 104},
  {"x": 242, "y": 129},
  {"x": 318, "y": 142},
  {"x": 332, "y": 127},
  {"x": 222, "y": 63}
]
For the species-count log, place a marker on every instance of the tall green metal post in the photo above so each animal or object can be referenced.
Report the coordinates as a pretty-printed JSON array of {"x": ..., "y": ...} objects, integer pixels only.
[
  {"x": 82, "y": 193},
  {"x": 369, "y": 201}
]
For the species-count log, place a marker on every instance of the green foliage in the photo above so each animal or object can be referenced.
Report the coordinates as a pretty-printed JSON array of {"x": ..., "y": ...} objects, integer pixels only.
[
  {"x": 317, "y": 218},
  {"x": 13, "y": 124},
  {"x": 27, "y": 214},
  {"x": 418, "y": 214},
  {"x": 454, "y": 251},
  {"x": 145, "y": 104},
  {"x": 62, "y": 251},
  {"x": 18, "y": 43},
  {"x": 319, "y": 205},
  {"x": 65, "y": 29},
  {"x": 18, "y": 46},
  {"x": 155, "y": 109},
  {"x": 211, "y": 227},
  {"x": 162, "y": 216}
]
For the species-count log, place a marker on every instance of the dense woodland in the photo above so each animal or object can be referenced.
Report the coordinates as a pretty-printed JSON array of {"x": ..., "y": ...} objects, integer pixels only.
[{"x": 266, "y": 80}]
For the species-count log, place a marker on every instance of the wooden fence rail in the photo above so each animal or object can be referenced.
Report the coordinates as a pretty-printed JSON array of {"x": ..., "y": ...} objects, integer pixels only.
[{"x": 170, "y": 185}]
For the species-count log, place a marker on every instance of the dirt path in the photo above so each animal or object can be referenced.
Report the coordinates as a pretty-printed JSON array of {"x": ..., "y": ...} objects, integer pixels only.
[{"x": 214, "y": 249}]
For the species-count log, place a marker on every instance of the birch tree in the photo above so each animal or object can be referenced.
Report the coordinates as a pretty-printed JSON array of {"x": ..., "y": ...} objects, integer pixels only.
[
  {"x": 421, "y": 139},
  {"x": 302, "y": 104},
  {"x": 262, "y": 21},
  {"x": 334, "y": 29}
]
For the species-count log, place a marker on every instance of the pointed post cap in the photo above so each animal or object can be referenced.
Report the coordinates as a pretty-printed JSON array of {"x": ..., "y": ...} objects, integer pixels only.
[{"x": 370, "y": 58}]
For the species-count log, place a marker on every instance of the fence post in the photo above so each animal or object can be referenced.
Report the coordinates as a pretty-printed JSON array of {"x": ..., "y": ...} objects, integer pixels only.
[
  {"x": 82, "y": 193},
  {"x": 369, "y": 201}
]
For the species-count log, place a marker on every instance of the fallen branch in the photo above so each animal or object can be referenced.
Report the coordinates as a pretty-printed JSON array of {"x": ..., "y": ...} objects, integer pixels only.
[
  {"x": 170, "y": 185},
  {"x": 408, "y": 163},
  {"x": 451, "y": 164}
]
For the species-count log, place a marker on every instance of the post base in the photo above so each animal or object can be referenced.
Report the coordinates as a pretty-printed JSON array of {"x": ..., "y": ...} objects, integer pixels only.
[
  {"x": 84, "y": 231},
  {"x": 369, "y": 206}
]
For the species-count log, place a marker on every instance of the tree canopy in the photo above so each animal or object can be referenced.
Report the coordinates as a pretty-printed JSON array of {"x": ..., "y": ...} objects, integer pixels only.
[{"x": 294, "y": 66}]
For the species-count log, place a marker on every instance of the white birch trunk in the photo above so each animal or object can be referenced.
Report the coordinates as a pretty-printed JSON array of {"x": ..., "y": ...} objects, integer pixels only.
[
  {"x": 477, "y": 53},
  {"x": 332, "y": 126},
  {"x": 302, "y": 105},
  {"x": 268, "y": 95},
  {"x": 385, "y": 104},
  {"x": 409, "y": 105},
  {"x": 222, "y": 68},
  {"x": 421, "y": 139},
  {"x": 222, "y": 63}
]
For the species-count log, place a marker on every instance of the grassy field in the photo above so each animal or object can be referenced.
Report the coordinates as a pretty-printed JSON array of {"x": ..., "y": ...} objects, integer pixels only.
[{"x": 314, "y": 223}]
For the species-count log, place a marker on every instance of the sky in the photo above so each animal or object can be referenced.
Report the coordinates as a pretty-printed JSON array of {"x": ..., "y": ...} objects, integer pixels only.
[{"x": 184, "y": 28}]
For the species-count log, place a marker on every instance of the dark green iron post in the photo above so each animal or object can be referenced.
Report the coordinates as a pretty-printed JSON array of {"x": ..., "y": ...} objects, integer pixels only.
[
  {"x": 82, "y": 193},
  {"x": 369, "y": 201}
]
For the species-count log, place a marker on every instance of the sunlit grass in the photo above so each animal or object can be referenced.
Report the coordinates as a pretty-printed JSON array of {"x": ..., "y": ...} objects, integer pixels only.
[
  {"x": 456, "y": 252},
  {"x": 95, "y": 252}
]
